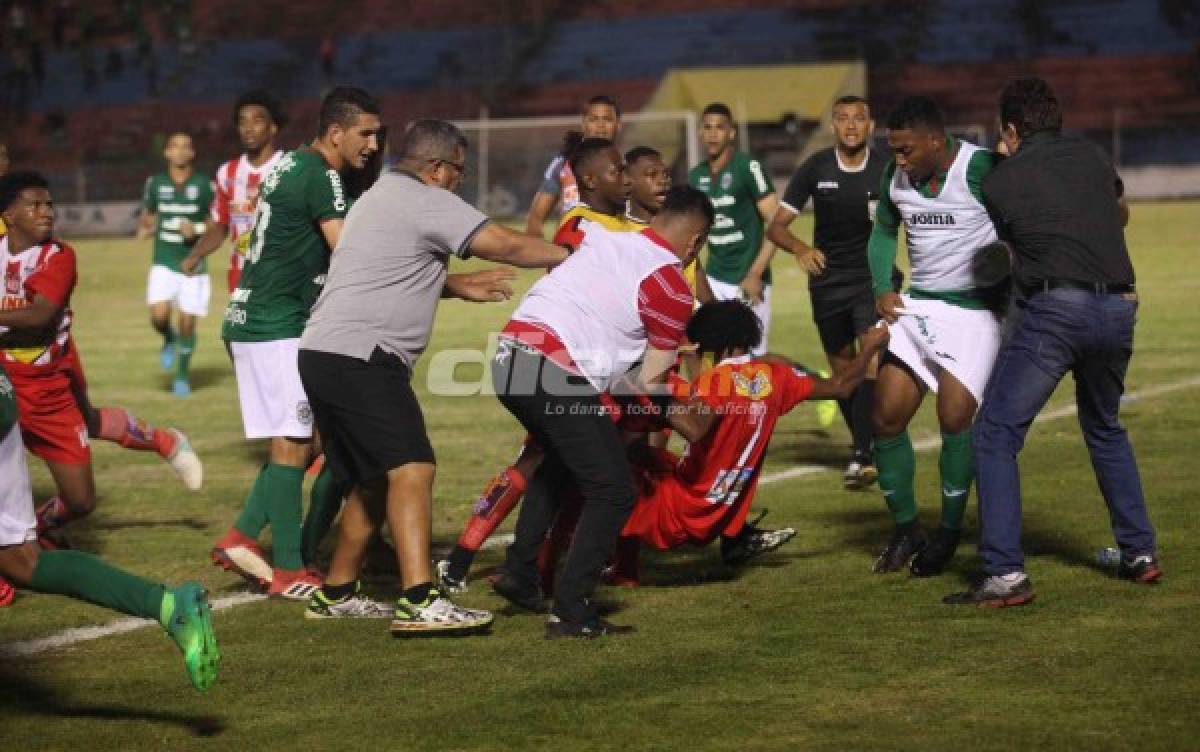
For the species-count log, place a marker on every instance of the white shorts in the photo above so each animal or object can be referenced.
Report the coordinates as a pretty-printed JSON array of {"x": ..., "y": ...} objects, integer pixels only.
[
  {"x": 189, "y": 292},
  {"x": 932, "y": 335},
  {"x": 17, "y": 523},
  {"x": 269, "y": 390},
  {"x": 725, "y": 291}
]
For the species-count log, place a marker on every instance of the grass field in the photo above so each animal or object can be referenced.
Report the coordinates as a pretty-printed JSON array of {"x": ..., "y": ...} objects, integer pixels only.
[{"x": 805, "y": 650}]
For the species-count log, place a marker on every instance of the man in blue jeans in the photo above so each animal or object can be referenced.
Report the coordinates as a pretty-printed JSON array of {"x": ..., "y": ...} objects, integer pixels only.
[{"x": 1058, "y": 202}]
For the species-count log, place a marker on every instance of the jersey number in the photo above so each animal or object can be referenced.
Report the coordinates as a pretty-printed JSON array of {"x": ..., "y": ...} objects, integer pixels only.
[
  {"x": 262, "y": 217},
  {"x": 729, "y": 485}
]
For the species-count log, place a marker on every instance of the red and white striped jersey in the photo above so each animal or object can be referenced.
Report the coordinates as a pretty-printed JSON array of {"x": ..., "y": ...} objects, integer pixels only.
[
  {"x": 46, "y": 269},
  {"x": 237, "y": 198}
]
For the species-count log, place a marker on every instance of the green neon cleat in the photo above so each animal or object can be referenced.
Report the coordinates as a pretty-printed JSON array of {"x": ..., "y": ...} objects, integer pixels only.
[{"x": 187, "y": 617}]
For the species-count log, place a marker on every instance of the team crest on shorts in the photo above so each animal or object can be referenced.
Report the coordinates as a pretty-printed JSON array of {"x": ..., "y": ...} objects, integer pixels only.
[{"x": 304, "y": 413}]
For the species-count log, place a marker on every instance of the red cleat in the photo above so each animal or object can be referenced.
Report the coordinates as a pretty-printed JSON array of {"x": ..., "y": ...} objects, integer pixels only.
[
  {"x": 241, "y": 554},
  {"x": 294, "y": 584}
]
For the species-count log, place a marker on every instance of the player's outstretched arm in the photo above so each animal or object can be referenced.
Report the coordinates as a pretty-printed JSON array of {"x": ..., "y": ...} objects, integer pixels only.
[
  {"x": 841, "y": 386},
  {"x": 208, "y": 242},
  {"x": 485, "y": 286},
  {"x": 495, "y": 242}
]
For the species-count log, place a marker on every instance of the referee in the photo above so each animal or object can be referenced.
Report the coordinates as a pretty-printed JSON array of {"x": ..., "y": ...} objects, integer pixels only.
[
  {"x": 366, "y": 331},
  {"x": 843, "y": 183},
  {"x": 1058, "y": 202}
]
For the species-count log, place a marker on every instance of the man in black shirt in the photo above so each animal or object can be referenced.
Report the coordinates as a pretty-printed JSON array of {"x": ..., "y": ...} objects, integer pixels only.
[
  {"x": 843, "y": 182},
  {"x": 1057, "y": 201}
]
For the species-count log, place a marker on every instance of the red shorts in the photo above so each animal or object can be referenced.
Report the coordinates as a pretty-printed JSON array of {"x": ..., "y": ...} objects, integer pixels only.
[
  {"x": 668, "y": 513},
  {"x": 52, "y": 425}
]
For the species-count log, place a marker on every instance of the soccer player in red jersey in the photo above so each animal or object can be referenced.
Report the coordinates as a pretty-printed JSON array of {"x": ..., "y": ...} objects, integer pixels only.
[
  {"x": 258, "y": 118},
  {"x": 39, "y": 353},
  {"x": 728, "y": 422}
]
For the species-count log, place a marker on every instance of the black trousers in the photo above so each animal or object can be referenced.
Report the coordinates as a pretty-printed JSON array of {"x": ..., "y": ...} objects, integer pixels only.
[{"x": 582, "y": 444}]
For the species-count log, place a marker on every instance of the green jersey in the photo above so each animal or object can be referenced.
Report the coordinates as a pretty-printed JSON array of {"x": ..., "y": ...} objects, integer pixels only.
[
  {"x": 174, "y": 203},
  {"x": 737, "y": 234},
  {"x": 287, "y": 258},
  {"x": 8, "y": 405}
]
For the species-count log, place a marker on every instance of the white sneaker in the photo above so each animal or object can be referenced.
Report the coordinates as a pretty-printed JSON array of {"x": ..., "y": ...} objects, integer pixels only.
[
  {"x": 185, "y": 463},
  {"x": 851, "y": 478},
  {"x": 437, "y": 615},
  {"x": 357, "y": 606},
  {"x": 446, "y": 582}
]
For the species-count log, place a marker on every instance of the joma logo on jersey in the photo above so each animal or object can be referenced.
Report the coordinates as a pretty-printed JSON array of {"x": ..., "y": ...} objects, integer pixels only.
[{"x": 930, "y": 218}]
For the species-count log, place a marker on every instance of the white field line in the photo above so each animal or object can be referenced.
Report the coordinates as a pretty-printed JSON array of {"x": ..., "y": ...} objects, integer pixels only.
[{"x": 70, "y": 637}]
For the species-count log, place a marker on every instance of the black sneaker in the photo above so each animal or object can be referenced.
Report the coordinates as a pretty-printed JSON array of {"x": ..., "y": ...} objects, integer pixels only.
[
  {"x": 937, "y": 555},
  {"x": 905, "y": 543},
  {"x": 556, "y": 628},
  {"x": 995, "y": 592},
  {"x": 1143, "y": 569},
  {"x": 521, "y": 594},
  {"x": 753, "y": 541}
]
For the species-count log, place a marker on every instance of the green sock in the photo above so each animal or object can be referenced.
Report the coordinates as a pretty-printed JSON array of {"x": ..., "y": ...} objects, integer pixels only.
[
  {"x": 324, "y": 503},
  {"x": 283, "y": 499},
  {"x": 84, "y": 577},
  {"x": 253, "y": 517},
  {"x": 184, "y": 347},
  {"x": 957, "y": 470},
  {"x": 897, "y": 465}
]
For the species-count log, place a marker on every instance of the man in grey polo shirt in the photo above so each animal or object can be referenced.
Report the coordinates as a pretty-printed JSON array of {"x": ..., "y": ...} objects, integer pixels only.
[{"x": 367, "y": 329}]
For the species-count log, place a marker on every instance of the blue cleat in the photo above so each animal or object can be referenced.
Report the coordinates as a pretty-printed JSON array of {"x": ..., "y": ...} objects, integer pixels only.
[
  {"x": 181, "y": 388},
  {"x": 166, "y": 356}
]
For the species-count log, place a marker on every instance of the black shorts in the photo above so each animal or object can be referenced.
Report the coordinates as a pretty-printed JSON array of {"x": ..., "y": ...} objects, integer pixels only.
[
  {"x": 840, "y": 322},
  {"x": 366, "y": 413}
]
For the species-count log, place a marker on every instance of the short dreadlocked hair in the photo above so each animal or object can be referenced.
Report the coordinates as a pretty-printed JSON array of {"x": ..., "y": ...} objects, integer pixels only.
[{"x": 724, "y": 326}]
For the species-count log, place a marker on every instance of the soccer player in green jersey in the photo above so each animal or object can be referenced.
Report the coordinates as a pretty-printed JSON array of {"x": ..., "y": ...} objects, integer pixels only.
[
  {"x": 175, "y": 206},
  {"x": 182, "y": 611},
  {"x": 299, "y": 216},
  {"x": 739, "y": 254}
]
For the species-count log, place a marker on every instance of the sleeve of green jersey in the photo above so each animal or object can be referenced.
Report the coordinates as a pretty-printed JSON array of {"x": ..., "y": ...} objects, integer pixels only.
[
  {"x": 326, "y": 196},
  {"x": 756, "y": 178},
  {"x": 885, "y": 233},
  {"x": 980, "y": 165},
  {"x": 149, "y": 195}
]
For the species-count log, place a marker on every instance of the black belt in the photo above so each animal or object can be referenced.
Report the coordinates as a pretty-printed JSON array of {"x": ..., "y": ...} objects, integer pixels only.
[{"x": 1099, "y": 288}]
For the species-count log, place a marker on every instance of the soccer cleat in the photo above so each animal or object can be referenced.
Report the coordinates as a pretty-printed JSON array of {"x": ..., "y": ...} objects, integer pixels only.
[
  {"x": 1143, "y": 569},
  {"x": 995, "y": 592},
  {"x": 437, "y": 615},
  {"x": 187, "y": 617},
  {"x": 753, "y": 541},
  {"x": 935, "y": 557},
  {"x": 355, "y": 606},
  {"x": 522, "y": 595},
  {"x": 241, "y": 554},
  {"x": 851, "y": 478},
  {"x": 905, "y": 544},
  {"x": 185, "y": 463},
  {"x": 166, "y": 356},
  {"x": 445, "y": 581},
  {"x": 294, "y": 584},
  {"x": 181, "y": 388},
  {"x": 589, "y": 630},
  {"x": 7, "y": 593}
]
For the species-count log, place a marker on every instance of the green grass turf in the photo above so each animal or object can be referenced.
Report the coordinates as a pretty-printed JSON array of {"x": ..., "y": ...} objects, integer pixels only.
[{"x": 805, "y": 650}]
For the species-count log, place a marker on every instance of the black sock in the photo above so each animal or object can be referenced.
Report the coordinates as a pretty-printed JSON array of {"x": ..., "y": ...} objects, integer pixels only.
[
  {"x": 338, "y": 592},
  {"x": 418, "y": 593},
  {"x": 861, "y": 428},
  {"x": 460, "y": 563}
]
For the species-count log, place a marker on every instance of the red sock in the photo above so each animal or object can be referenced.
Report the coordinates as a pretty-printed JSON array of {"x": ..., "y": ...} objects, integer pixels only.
[
  {"x": 121, "y": 427},
  {"x": 499, "y": 498},
  {"x": 52, "y": 515}
]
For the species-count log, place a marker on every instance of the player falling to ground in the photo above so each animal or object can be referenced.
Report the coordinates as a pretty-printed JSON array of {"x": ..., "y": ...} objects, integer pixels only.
[
  {"x": 175, "y": 204},
  {"x": 601, "y": 119},
  {"x": 39, "y": 352},
  {"x": 300, "y": 212},
  {"x": 182, "y": 611},
  {"x": 946, "y": 328},
  {"x": 843, "y": 183},
  {"x": 258, "y": 118},
  {"x": 728, "y": 420}
]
